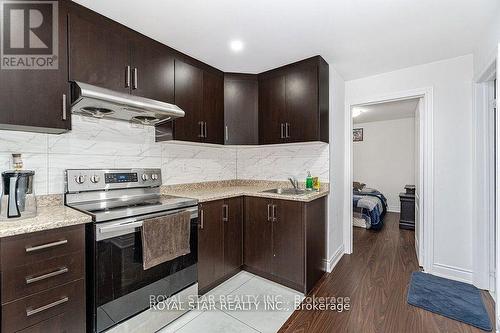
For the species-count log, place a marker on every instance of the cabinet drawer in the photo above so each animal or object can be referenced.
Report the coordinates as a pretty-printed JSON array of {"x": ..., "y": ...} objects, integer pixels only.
[
  {"x": 67, "y": 299},
  {"x": 63, "y": 323},
  {"x": 31, "y": 248},
  {"x": 29, "y": 279}
]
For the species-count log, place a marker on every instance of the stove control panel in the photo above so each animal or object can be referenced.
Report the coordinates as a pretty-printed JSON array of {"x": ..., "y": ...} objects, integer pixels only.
[
  {"x": 121, "y": 177},
  {"x": 81, "y": 180}
]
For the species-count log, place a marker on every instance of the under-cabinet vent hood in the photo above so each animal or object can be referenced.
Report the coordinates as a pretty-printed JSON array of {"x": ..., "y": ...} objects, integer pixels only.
[{"x": 91, "y": 101}]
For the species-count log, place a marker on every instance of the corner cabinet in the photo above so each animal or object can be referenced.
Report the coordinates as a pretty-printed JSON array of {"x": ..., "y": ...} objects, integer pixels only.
[
  {"x": 37, "y": 100},
  {"x": 220, "y": 237},
  {"x": 285, "y": 241},
  {"x": 294, "y": 102}
]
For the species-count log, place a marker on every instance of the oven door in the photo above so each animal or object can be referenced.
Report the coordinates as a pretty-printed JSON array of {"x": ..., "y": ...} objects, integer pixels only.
[{"x": 122, "y": 288}]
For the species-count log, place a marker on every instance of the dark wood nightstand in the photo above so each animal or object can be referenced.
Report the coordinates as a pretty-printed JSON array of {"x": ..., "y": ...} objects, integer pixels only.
[{"x": 407, "y": 217}]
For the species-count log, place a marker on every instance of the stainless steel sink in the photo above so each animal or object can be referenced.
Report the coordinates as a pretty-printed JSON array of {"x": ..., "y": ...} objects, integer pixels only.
[{"x": 287, "y": 191}]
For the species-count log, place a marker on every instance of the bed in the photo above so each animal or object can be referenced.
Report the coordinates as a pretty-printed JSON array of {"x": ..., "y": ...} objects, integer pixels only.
[{"x": 369, "y": 208}]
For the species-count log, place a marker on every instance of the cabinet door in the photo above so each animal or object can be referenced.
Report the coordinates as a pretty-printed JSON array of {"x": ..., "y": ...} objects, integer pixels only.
[
  {"x": 288, "y": 241},
  {"x": 99, "y": 51},
  {"x": 271, "y": 109},
  {"x": 189, "y": 97},
  {"x": 32, "y": 99},
  {"x": 210, "y": 244},
  {"x": 153, "y": 70},
  {"x": 258, "y": 234},
  {"x": 241, "y": 109},
  {"x": 302, "y": 103},
  {"x": 233, "y": 234},
  {"x": 213, "y": 107}
]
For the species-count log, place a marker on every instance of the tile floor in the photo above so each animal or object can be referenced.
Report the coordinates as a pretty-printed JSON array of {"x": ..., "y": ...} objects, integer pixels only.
[{"x": 224, "y": 318}]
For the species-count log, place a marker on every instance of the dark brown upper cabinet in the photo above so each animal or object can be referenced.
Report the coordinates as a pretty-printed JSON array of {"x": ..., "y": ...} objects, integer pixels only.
[
  {"x": 189, "y": 97},
  {"x": 99, "y": 51},
  {"x": 38, "y": 100},
  {"x": 213, "y": 107},
  {"x": 272, "y": 109},
  {"x": 200, "y": 93},
  {"x": 294, "y": 102},
  {"x": 241, "y": 109},
  {"x": 109, "y": 55},
  {"x": 152, "y": 70}
]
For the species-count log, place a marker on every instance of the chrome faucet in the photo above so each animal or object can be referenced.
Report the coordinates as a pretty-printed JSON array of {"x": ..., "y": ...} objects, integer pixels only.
[{"x": 295, "y": 182}]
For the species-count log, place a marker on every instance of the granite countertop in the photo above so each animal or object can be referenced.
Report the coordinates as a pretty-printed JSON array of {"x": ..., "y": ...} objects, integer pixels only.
[
  {"x": 51, "y": 214},
  {"x": 217, "y": 190}
]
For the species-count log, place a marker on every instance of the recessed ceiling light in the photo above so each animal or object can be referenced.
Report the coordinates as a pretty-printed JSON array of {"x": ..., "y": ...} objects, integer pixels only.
[{"x": 236, "y": 45}]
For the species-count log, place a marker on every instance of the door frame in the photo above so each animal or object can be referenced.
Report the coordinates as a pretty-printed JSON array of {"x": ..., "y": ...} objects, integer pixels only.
[
  {"x": 483, "y": 199},
  {"x": 497, "y": 202},
  {"x": 426, "y": 170}
]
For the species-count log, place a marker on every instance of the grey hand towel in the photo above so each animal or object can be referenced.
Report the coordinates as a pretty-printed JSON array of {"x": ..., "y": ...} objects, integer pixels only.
[{"x": 165, "y": 238}]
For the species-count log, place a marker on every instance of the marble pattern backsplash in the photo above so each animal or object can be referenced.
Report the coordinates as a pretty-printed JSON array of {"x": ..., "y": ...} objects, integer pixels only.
[{"x": 96, "y": 143}]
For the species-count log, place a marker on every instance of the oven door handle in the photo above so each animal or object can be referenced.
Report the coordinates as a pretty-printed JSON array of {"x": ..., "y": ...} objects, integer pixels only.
[{"x": 120, "y": 226}]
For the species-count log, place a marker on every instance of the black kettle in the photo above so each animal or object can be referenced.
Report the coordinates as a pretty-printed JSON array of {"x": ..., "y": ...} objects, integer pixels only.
[{"x": 18, "y": 199}]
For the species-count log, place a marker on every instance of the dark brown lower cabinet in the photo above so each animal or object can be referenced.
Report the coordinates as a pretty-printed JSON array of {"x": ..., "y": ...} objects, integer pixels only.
[
  {"x": 285, "y": 240},
  {"x": 210, "y": 244},
  {"x": 42, "y": 281},
  {"x": 219, "y": 242},
  {"x": 233, "y": 235},
  {"x": 281, "y": 240}
]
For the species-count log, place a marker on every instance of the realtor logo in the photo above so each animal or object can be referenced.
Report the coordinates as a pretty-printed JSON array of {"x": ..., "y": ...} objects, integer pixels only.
[{"x": 29, "y": 34}]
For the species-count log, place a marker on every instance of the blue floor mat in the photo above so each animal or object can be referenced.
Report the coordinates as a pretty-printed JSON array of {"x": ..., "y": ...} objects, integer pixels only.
[{"x": 456, "y": 300}]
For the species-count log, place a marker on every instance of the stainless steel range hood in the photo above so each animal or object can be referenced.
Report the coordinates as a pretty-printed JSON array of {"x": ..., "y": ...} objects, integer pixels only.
[{"x": 91, "y": 101}]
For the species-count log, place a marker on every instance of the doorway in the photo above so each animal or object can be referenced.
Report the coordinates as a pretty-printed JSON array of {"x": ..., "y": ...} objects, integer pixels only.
[
  {"x": 424, "y": 183},
  {"x": 386, "y": 168}
]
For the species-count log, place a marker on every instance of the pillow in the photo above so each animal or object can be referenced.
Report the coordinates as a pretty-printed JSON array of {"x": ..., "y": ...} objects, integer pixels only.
[{"x": 357, "y": 186}]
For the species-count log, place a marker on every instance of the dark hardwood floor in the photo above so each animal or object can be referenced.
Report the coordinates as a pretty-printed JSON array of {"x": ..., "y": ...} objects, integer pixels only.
[{"x": 376, "y": 278}]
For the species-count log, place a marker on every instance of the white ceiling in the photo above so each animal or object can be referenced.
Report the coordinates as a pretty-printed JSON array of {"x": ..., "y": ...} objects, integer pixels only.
[
  {"x": 386, "y": 111},
  {"x": 358, "y": 37}
]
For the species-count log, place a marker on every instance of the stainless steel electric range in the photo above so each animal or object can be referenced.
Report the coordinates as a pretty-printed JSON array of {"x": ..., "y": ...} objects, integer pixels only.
[{"x": 118, "y": 288}]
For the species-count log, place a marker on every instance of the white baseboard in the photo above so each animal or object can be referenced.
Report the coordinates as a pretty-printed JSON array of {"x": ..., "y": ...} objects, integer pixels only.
[
  {"x": 452, "y": 272},
  {"x": 334, "y": 259}
]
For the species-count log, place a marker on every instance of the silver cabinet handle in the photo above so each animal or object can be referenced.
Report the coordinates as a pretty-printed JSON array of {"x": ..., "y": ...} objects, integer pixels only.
[
  {"x": 205, "y": 133},
  {"x": 127, "y": 77},
  {"x": 227, "y": 133},
  {"x": 64, "y": 108},
  {"x": 30, "y": 312},
  {"x": 33, "y": 279},
  {"x": 225, "y": 213},
  {"x": 268, "y": 212},
  {"x": 282, "y": 131},
  {"x": 45, "y": 246},
  {"x": 274, "y": 213},
  {"x": 200, "y": 135},
  {"x": 287, "y": 130},
  {"x": 136, "y": 83},
  {"x": 202, "y": 217}
]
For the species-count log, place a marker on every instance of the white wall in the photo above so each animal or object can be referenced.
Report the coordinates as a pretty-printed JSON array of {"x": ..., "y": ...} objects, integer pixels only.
[
  {"x": 336, "y": 205},
  {"x": 451, "y": 81},
  {"x": 486, "y": 49},
  {"x": 111, "y": 144},
  {"x": 385, "y": 159}
]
